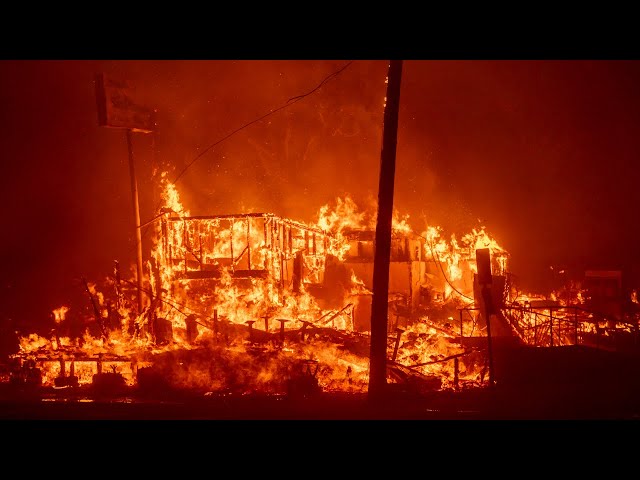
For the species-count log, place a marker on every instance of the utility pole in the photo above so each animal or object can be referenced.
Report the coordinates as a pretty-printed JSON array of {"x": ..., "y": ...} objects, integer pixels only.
[
  {"x": 380, "y": 300},
  {"x": 136, "y": 219},
  {"x": 117, "y": 108}
]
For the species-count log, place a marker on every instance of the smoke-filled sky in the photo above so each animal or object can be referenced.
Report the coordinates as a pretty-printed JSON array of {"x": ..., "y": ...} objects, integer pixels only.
[{"x": 543, "y": 153}]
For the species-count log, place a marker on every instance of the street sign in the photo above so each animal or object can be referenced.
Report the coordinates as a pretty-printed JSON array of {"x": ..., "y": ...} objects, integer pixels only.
[{"x": 117, "y": 107}]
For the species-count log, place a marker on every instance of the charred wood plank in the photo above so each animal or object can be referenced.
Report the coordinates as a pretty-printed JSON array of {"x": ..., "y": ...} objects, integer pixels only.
[{"x": 96, "y": 309}]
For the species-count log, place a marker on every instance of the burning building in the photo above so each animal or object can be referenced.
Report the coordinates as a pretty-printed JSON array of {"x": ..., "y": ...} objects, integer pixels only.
[
  {"x": 255, "y": 302},
  {"x": 223, "y": 290}
]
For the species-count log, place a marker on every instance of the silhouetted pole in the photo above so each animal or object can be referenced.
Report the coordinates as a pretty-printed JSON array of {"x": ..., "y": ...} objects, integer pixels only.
[
  {"x": 486, "y": 296},
  {"x": 379, "y": 305},
  {"x": 485, "y": 279},
  {"x": 136, "y": 218}
]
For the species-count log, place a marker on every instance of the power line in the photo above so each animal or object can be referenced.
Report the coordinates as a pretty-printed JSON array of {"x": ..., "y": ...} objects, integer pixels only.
[{"x": 289, "y": 102}]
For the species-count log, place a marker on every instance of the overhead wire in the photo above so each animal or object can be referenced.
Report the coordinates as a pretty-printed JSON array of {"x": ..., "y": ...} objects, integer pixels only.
[
  {"x": 435, "y": 255},
  {"x": 291, "y": 101}
]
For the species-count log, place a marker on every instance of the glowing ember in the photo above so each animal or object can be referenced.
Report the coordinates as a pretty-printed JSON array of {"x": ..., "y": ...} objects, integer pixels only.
[{"x": 60, "y": 313}]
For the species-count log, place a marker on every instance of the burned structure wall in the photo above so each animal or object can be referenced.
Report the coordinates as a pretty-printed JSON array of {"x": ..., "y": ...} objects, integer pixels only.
[{"x": 289, "y": 259}]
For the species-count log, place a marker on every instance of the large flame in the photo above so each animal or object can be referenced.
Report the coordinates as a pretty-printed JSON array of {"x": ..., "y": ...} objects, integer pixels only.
[{"x": 244, "y": 303}]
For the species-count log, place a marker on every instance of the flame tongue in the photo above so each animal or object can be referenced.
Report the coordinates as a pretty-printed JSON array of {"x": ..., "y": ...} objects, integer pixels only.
[{"x": 60, "y": 313}]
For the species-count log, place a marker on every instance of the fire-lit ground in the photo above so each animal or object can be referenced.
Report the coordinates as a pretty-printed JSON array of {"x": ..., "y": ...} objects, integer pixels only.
[
  {"x": 251, "y": 315},
  {"x": 596, "y": 400},
  {"x": 571, "y": 382}
]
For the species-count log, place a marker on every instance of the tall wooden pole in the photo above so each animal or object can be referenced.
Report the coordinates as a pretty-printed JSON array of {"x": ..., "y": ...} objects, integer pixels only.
[
  {"x": 379, "y": 306},
  {"x": 136, "y": 218}
]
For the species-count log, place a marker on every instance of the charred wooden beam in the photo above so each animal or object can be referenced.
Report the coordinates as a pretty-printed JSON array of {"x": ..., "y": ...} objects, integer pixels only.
[
  {"x": 333, "y": 314},
  {"x": 303, "y": 330},
  {"x": 397, "y": 343},
  {"x": 266, "y": 216},
  {"x": 192, "y": 328},
  {"x": 96, "y": 309},
  {"x": 282, "y": 322},
  {"x": 248, "y": 243},
  {"x": 456, "y": 371},
  {"x": 250, "y": 323},
  {"x": 441, "y": 360}
]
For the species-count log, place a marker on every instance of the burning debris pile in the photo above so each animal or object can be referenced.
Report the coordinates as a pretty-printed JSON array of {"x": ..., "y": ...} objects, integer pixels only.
[{"x": 256, "y": 303}]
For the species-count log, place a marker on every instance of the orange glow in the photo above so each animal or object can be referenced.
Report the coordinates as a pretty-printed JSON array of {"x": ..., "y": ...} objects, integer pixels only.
[{"x": 228, "y": 289}]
